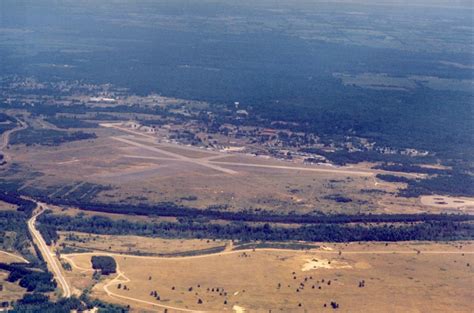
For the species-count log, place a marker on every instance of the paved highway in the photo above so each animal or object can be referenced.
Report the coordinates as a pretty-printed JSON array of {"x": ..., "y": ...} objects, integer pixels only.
[{"x": 49, "y": 257}]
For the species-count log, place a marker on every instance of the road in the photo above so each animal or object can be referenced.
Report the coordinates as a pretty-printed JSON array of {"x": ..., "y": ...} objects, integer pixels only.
[
  {"x": 49, "y": 257},
  {"x": 19, "y": 257},
  {"x": 316, "y": 250},
  {"x": 6, "y": 139}
]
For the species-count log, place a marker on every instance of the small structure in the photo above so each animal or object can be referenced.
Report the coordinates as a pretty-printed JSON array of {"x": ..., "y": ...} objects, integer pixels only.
[
  {"x": 242, "y": 113},
  {"x": 102, "y": 100}
]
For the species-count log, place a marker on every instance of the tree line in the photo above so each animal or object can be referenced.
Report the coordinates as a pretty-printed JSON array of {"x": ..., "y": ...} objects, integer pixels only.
[
  {"x": 428, "y": 230},
  {"x": 30, "y": 279}
]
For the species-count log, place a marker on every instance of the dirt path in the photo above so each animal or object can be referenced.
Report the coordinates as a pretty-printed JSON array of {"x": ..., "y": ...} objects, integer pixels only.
[
  {"x": 48, "y": 256},
  {"x": 19, "y": 257},
  {"x": 175, "y": 258},
  {"x": 121, "y": 278}
]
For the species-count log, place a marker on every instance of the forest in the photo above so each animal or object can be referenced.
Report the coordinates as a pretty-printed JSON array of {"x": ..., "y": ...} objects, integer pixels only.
[
  {"x": 38, "y": 302},
  {"x": 47, "y": 137},
  {"x": 459, "y": 184},
  {"x": 30, "y": 279},
  {"x": 67, "y": 122}
]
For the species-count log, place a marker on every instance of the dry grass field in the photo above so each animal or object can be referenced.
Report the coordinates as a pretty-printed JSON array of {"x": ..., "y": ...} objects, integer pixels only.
[
  {"x": 6, "y": 206},
  {"x": 140, "y": 169},
  {"x": 401, "y": 277},
  {"x": 465, "y": 205}
]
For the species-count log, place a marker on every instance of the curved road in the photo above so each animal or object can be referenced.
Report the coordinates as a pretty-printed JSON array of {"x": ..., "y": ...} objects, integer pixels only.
[
  {"x": 6, "y": 139},
  {"x": 48, "y": 256}
]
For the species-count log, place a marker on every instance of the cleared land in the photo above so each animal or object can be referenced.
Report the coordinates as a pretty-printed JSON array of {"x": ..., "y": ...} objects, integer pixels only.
[{"x": 404, "y": 275}]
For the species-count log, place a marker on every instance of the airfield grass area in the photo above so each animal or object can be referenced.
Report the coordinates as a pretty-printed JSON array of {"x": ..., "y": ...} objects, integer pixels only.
[
  {"x": 358, "y": 277},
  {"x": 136, "y": 168}
]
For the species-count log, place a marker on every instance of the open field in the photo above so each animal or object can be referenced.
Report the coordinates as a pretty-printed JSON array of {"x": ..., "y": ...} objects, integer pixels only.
[
  {"x": 136, "y": 168},
  {"x": 402, "y": 274},
  {"x": 4, "y": 206}
]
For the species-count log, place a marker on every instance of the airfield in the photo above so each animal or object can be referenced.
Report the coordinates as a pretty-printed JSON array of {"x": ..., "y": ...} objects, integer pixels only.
[{"x": 137, "y": 167}]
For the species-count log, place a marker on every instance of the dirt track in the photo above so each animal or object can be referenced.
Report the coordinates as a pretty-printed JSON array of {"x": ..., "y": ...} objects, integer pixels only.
[{"x": 19, "y": 257}]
